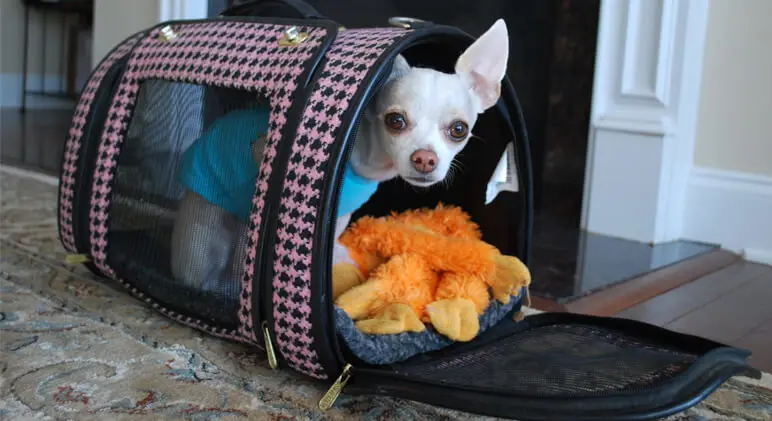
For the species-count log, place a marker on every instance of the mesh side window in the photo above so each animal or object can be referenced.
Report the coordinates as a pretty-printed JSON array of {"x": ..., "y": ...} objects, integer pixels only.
[
  {"x": 558, "y": 361},
  {"x": 181, "y": 196}
]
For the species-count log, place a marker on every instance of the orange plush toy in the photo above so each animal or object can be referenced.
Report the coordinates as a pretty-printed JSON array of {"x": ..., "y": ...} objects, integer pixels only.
[{"x": 427, "y": 265}]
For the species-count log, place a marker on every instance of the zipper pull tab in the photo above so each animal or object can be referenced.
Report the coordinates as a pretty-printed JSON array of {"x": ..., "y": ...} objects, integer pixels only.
[
  {"x": 74, "y": 259},
  {"x": 272, "y": 361},
  {"x": 329, "y": 398}
]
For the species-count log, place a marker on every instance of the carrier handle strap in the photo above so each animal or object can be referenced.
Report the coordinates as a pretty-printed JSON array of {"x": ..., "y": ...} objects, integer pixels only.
[{"x": 295, "y": 9}]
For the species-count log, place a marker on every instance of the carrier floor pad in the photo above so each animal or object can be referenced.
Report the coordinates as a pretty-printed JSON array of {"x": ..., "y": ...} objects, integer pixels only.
[{"x": 74, "y": 348}]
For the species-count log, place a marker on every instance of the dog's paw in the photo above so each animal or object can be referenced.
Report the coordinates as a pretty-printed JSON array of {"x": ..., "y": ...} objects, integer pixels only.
[
  {"x": 511, "y": 275},
  {"x": 457, "y": 319},
  {"x": 344, "y": 277},
  {"x": 396, "y": 318}
]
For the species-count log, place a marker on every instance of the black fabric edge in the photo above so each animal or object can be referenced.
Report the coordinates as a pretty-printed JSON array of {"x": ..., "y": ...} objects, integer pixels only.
[{"x": 319, "y": 23}]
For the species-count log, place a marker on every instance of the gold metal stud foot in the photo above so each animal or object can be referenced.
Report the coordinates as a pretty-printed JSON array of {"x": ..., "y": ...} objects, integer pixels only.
[{"x": 292, "y": 37}]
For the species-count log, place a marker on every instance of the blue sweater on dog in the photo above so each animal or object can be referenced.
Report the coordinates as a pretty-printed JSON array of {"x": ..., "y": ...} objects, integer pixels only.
[{"x": 219, "y": 166}]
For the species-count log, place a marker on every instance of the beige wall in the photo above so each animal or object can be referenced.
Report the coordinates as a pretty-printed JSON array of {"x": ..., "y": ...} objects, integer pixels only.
[
  {"x": 114, "y": 20},
  {"x": 12, "y": 40},
  {"x": 734, "y": 129}
]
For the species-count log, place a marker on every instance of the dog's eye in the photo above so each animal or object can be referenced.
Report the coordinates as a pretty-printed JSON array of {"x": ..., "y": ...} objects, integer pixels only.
[
  {"x": 458, "y": 130},
  {"x": 395, "y": 121}
]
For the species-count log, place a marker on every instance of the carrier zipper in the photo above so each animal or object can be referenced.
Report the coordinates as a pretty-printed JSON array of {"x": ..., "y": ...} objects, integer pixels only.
[
  {"x": 272, "y": 360},
  {"x": 329, "y": 398}
]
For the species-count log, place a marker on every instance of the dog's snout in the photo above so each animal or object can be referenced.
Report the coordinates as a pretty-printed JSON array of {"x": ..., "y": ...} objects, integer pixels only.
[{"x": 424, "y": 161}]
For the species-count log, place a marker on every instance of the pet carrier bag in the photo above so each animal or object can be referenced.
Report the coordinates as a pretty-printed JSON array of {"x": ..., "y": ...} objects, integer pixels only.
[{"x": 161, "y": 89}]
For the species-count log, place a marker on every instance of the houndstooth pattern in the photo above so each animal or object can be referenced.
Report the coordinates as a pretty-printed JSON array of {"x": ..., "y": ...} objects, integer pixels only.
[
  {"x": 348, "y": 62},
  {"x": 72, "y": 146},
  {"x": 242, "y": 55}
]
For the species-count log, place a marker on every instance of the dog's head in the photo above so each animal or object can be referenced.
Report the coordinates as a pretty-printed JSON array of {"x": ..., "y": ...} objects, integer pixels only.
[{"x": 423, "y": 118}]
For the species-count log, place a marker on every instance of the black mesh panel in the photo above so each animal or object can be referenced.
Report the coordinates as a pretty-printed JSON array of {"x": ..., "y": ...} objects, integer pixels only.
[
  {"x": 175, "y": 245},
  {"x": 558, "y": 361}
]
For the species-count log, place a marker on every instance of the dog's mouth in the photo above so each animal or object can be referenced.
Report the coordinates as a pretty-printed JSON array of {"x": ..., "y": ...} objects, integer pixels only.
[{"x": 420, "y": 181}]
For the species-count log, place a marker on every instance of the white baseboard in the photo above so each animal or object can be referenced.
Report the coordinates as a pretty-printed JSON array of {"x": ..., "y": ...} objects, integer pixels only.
[
  {"x": 758, "y": 256},
  {"x": 11, "y": 88},
  {"x": 731, "y": 209}
]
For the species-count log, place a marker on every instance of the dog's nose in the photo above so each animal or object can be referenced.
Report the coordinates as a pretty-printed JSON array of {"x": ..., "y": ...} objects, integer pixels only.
[{"x": 424, "y": 161}]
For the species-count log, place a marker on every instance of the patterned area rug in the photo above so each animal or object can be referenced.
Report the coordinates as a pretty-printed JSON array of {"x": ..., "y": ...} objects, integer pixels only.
[{"x": 77, "y": 349}]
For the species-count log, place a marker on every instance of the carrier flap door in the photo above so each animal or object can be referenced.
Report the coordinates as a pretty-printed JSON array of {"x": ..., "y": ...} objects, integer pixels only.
[{"x": 557, "y": 366}]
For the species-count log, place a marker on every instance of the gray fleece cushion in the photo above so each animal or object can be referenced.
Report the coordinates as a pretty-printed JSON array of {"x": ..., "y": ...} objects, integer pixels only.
[{"x": 388, "y": 349}]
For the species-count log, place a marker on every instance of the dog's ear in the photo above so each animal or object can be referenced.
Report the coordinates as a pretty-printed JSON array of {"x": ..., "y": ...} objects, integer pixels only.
[
  {"x": 399, "y": 69},
  {"x": 484, "y": 64}
]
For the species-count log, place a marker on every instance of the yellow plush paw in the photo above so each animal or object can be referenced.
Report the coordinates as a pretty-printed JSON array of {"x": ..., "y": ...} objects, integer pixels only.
[
  {"x": 511, "y": 274},
  {"x": 361, "y": 301},
  {"x": 344, "y": 277},
  {"x": 396, "y": 318},
  {"x": 457, "y": 319}
]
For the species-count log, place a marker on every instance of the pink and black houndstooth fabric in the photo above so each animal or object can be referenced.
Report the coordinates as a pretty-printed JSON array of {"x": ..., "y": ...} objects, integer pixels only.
[
  {"x": 242, "y": 55},
  {"x": 348, "y": 62},
  {"x": 74, "y": 141}
]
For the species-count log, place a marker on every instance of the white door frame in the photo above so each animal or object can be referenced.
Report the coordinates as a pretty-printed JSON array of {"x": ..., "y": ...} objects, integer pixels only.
[{"x": 644, "y": 114}]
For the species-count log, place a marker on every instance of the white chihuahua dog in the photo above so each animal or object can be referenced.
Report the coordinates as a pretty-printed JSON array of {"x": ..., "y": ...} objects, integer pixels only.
[{"x": 414, "y": 128}]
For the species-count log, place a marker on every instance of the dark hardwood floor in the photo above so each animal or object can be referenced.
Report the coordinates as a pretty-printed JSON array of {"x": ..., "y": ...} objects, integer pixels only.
[
  {"x": 714, "y": 295},
  {"x": 732, "y": 305},
  {"x": 34, "y": 140}
]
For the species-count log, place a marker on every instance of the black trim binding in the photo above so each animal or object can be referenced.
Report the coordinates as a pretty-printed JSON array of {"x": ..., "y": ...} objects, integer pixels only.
[{"x": 262, "y": 285}]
